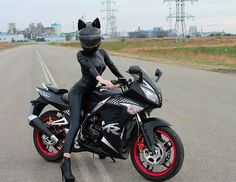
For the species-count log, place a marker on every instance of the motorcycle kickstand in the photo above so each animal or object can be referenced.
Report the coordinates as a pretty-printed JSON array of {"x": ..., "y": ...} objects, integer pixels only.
[{"x": 113, "y": 159}]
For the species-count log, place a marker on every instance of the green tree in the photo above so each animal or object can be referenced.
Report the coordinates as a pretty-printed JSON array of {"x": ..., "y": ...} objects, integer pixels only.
[{"x": 68, "y": 37}]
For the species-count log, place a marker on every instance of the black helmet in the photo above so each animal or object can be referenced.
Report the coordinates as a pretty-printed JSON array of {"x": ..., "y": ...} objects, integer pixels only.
[{"x": 90, "y": 35}]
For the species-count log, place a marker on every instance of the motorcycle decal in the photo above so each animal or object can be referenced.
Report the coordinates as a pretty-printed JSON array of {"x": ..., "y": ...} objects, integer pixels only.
[
  {"x": 111, "y": 128},
  {"x": 67, "y": 112},
  {"x": 59, "y": 122},
  {"x": 100, "y": 104},
  {"x": 132, "y": 109},
  {"x": 43, "y": 93},
  {"x": 104, "y": 140},
  {"x": 118, "y": 100}
]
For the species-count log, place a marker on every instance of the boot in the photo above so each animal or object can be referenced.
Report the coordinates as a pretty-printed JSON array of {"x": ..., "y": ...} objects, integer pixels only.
[{"x": 66, "y": 170}]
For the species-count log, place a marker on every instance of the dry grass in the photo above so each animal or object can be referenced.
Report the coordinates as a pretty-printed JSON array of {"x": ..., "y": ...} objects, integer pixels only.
[
  {"x": 213, "y": 51},
  {"x": 7, "y": 45}
]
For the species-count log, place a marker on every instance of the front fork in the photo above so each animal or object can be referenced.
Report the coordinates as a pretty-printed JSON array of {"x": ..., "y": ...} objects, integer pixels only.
[{"x": 149, "y": 139}]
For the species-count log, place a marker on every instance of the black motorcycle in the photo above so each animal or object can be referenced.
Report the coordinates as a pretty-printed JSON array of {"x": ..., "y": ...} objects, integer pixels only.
[{"x": 114, "y": 123}]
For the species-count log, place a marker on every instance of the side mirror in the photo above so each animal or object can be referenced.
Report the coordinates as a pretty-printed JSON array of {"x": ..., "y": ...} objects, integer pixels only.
[{"x": 158, "y": 74}]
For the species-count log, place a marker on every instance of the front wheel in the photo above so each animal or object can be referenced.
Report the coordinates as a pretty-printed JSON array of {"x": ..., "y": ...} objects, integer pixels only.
[{"x": 168, "y": 157}]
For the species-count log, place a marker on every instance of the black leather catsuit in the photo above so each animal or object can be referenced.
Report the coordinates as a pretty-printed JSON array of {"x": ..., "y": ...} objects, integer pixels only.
[{"x": 92, "y": 65}]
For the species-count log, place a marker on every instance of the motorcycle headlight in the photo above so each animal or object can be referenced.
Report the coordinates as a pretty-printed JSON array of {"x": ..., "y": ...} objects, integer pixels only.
[{"x": 151, "y": 95}]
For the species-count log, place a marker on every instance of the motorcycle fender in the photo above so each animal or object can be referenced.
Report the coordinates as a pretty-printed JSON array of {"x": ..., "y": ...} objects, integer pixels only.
[
  {"x": 155, "y": 122},
  {"x": 150, "y": 124},
  {"x": 36, "y": 106}
]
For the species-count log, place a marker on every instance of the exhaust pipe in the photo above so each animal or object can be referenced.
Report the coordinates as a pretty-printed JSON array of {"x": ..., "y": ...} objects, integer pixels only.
[{"x": 36, "y": 123}]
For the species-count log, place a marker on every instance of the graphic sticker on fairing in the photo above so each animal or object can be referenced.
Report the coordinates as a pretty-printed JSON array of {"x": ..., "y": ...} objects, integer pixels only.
[{"x": 111, "y": 128}]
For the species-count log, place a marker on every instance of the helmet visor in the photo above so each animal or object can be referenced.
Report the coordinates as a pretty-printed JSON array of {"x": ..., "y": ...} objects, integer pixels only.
[{"x": 90, "y": 41}]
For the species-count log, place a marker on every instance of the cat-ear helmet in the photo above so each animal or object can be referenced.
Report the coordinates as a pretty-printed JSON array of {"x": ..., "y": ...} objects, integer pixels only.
[{"x": 90, "y": 34}]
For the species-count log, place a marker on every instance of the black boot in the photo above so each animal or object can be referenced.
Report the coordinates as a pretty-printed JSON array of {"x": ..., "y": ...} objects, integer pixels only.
[{"x": 66, "y": 170}]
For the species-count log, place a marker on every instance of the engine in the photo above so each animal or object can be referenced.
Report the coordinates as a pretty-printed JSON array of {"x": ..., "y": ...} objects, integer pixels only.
[{"x": 92, "y": 130}]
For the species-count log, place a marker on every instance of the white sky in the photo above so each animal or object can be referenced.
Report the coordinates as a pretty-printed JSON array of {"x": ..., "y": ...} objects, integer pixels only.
[{"x": 211, "y": 15}]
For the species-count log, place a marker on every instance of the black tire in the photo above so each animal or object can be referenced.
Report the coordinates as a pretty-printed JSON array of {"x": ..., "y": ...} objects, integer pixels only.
[
  {"x": 171, "y": 171},
  {"x": 37, "y": 142}
]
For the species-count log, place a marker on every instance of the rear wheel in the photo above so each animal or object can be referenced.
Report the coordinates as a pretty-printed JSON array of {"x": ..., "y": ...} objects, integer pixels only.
[
  {"x": 168, "y": 157},
  {"x": 52, "y": 153}
]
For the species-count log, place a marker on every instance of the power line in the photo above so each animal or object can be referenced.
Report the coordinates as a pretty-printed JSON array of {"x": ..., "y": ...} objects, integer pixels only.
[
  {"x": 170, "y": 19},
  {"x": 180, "y": 16},
  {"x": 111, "y": 29}
]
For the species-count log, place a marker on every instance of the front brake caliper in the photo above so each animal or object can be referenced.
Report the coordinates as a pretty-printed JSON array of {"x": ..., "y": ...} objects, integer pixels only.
[{"x": 141, "y": 145}]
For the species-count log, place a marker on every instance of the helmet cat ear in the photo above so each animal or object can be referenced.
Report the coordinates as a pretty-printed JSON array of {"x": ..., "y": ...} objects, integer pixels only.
[
  {"x": 96, "y": 23},
  {"x": 81, "y": 24}
]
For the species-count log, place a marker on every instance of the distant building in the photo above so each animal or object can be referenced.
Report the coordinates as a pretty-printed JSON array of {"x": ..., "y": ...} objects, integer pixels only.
[
  {"x": 39, "y": 29},
  {"x": 55, "y": 38},
  {"x": 123, "y": 35},
  {"x": 57, "y": 28},
  {"x": 4, "y": 37},
  {"x": 206, "y": 34},
  {"x": 157, "y": 29},
  {"x": 155, "y": 32},
  {"x": 192, "y": 31},
  {"x": 141, "y": 34},
  {"x": 47, "y": 31}
]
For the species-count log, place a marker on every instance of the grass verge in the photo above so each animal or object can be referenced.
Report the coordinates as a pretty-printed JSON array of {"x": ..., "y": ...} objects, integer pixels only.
[
  {"x": 209, "y": 52},
  {"x": 4, "y": 45}
]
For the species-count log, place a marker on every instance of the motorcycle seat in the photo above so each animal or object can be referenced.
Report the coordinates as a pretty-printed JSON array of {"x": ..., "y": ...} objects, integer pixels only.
[{"x": 55, "y": 89}]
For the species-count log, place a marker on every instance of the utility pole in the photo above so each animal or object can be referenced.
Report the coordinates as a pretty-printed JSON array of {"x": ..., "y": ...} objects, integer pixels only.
[
  {"x": 111, "y": 29},
  {"x": 180, "y": 16}
]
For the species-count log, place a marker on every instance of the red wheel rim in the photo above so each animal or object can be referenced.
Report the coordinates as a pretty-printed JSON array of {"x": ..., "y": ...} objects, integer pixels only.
[
  {"x": 39, "y": 141},
  {"x": 141, "y": 166}
]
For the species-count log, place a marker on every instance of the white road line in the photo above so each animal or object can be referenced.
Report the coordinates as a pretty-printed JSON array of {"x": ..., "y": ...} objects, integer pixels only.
[
  {"x": 46, "y": 71},
  {"x": 86, "y": 174}
]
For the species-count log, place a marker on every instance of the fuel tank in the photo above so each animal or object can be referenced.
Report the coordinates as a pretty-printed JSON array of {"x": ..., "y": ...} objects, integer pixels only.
[{"x": 91, "y": 99}]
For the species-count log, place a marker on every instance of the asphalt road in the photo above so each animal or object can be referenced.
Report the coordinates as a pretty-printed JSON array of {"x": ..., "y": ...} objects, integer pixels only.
[{"x": 200, "y": 105}]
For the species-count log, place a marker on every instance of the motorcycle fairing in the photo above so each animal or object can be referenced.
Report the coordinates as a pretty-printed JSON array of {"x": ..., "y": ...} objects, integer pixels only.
[{"x": 53, "y": 99}]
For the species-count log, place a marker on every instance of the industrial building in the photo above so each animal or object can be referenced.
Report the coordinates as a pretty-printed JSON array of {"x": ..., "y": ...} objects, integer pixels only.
[
  {"x": 192, "y": 31},
  {"x": 4, "y": 37},
  {"x": 57, "y": 28}
]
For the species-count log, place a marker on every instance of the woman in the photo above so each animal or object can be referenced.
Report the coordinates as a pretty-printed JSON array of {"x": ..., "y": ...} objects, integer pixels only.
[{"x": 93, "y": 62}]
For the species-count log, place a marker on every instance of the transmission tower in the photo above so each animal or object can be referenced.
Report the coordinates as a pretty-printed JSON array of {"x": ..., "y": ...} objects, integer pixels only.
[
  {"x": 170, "y": 19},
  {"x": 180, "y": 16},
  {"x": 111, "y": 29}
]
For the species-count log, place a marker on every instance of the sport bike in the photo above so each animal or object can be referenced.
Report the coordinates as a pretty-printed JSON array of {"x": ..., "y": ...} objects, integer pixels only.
[{"x": 114, "y": 123}]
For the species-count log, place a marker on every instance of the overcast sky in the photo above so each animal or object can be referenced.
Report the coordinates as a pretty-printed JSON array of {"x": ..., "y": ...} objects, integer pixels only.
[{"x": 211, "y": 15}]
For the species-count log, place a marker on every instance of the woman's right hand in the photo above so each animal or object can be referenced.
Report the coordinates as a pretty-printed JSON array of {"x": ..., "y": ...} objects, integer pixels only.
[
  {"x": 105, "y": 82},
  {"x": 108, "y": 84}
]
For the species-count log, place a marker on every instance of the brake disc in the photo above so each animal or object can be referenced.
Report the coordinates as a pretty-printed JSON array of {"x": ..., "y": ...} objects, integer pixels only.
[{"x": 156, "y": 158}]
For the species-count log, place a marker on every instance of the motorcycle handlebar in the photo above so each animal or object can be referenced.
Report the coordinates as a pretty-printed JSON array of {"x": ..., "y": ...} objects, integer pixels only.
[
  {"x": 117, "y": 86},
  {"x": 118, "y": 83}
]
